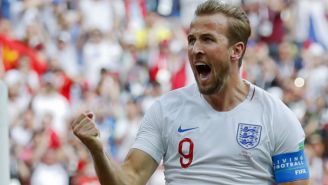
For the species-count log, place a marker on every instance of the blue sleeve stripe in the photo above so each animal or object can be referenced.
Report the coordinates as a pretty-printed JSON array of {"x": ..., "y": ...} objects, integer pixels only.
[{"x": 290, "y": 167}]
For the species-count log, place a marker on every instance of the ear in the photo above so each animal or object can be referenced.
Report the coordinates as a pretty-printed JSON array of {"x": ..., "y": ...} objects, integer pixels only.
[{"x": 237, "y": 51}]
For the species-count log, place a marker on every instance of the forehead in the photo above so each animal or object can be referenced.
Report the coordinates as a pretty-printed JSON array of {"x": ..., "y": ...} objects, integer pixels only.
[{"x": 215, "y": 23}]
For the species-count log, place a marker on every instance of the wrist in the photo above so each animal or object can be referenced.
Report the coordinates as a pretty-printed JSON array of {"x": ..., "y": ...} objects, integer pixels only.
[
  {"x": 96, "y": 151},
  {"x": 95, "y": 147}
]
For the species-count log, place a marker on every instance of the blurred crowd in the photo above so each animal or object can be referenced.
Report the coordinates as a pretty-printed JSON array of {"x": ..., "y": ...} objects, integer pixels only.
[{"x": 115, "y": 57}]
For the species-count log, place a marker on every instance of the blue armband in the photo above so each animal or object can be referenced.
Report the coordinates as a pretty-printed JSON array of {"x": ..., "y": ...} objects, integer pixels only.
[{"x": 290, "y": 167}]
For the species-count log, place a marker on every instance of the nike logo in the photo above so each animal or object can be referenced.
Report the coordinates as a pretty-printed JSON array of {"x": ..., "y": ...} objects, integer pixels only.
[{"x": 180, "y": 130}]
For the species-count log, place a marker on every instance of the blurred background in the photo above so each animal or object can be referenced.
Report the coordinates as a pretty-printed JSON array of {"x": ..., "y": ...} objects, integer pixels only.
[{"x": 115, "y": 57}]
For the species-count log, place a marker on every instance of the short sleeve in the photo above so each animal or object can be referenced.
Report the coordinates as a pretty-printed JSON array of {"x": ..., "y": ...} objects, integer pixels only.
[
  {"x": 149, "y": 137},
  {"x": 288, "y": 159},
  {"x": 288, "y": 132}
]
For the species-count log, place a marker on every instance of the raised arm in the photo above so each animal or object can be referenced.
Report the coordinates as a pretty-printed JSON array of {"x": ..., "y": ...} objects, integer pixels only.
[{"x": 136, "y": 169}]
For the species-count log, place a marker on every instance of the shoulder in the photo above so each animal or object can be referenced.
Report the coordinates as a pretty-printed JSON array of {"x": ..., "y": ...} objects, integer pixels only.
[
  {"x": 272, "y": 106},
  {"x": 267, "y": 100},
  {"x": 281, "y": 115}
]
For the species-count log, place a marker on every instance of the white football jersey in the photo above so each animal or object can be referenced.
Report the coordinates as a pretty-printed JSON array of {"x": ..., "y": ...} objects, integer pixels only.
[{"x": 200, "y": 145}]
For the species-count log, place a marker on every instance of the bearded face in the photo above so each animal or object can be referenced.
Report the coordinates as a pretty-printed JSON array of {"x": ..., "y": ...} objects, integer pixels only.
[{"x": 208, "y": 52}]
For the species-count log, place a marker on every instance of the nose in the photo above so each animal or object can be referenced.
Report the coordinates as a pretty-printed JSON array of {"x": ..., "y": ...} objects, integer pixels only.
[{"x": 197, "y": 48}]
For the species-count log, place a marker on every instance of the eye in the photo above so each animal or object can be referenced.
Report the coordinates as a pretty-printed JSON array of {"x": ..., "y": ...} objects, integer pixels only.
[
  {"x": 191, "y": 40},
  {"x": 208, "y": 39}
]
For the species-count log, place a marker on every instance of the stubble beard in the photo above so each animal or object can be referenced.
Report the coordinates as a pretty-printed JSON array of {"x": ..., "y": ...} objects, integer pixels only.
[{"x": 220, "y": 80}]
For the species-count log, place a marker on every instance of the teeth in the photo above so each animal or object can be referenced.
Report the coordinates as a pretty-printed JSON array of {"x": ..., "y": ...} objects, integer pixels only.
[{"x": 200, "y": 64}]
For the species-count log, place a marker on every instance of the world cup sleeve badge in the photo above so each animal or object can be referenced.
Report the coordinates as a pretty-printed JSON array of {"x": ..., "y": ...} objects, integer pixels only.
[{"x": 248, "y": 135}]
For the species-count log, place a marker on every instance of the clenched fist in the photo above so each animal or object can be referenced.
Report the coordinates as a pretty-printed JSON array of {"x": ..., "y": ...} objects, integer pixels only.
[{"x": 85, "y": 129}]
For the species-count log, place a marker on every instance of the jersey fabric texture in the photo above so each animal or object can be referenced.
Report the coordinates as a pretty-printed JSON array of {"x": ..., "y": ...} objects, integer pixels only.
[{"x": 199, "y": 145}]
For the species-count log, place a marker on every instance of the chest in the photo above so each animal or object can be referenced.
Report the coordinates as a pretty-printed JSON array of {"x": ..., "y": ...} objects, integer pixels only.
[{"x": 217, "y": 139}]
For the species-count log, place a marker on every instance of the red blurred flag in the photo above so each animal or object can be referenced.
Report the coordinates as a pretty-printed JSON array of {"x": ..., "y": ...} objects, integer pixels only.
[
  {"x": 179, "y": 79},
  {"x": 12, "y": 50}
]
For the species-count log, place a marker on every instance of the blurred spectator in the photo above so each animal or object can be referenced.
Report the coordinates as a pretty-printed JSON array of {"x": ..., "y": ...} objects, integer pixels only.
[
  {"x": 86, "y": 174},
  {"x": 22, "y": 84},
  {"x": 315, "y": 72},
  {"x": 286, "y": 60},
  {"x": 96, "y": 56},
  {"x": 101, "y": 16},
  {"x": 152, "y": 92},
  {"x": 127, "y": 128},
  {"x": 187, "y": 8},
  {"x": 49, "y": 101},
  {"x": 66, "y": 55},
  {"x": 311, "y": 16},
  {"x": 49, "y": 171},
  {"x": 318, "y": 166}
]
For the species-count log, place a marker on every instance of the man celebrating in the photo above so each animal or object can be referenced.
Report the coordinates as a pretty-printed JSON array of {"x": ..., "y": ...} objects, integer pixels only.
[{"x": 222, "y": 130}]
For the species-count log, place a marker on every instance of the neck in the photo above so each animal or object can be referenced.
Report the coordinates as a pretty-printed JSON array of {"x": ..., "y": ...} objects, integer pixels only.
[{"x": 234, "y": 92}]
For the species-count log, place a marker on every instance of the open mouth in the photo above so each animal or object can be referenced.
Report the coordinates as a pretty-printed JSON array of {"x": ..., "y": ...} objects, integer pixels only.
[{"x": 203, "y": 70}]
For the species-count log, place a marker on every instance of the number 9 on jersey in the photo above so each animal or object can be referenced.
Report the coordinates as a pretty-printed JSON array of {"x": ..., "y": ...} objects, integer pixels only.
[{"x": 186, "y": 151}]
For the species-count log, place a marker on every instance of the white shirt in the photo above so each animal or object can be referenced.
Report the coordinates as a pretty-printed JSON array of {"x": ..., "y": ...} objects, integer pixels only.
[
  {"x": 233, "y": 147},
  {"x": 49, "y": 175},
  {"x": 57, "y": 106},
  {"x": 97, "y": 14}
]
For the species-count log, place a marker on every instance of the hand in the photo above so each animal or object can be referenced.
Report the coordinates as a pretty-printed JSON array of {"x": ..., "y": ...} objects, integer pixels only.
[{"x": 85, "y": 129}]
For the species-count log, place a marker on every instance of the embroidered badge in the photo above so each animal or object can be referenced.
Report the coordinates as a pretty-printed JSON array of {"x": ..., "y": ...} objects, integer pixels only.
[{"x": 248, "y": 135}]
